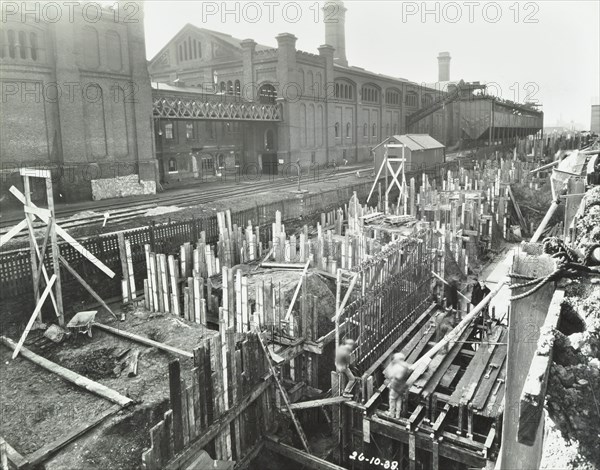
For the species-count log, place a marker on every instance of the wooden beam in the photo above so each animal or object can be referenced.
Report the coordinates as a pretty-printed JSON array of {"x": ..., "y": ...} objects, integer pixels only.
[
  {"x": 41, "y": 213},
  {"x": 13, "y": 231},
  {"x": 15, "y": 460},
  {"x": 142, "y": 340},
  {"x": 37, "y": 310},
  {"x": 35, "y": 172},
  {"x": 43, "y": 453},
  {"x": 297, "y": 291},
  {"x": 87, "y": 287},
  {"x": 250, "y": 456},
  {"x": 69, "y": 375},
  {"x": 303, "y": 458},
  {"x": 346, "y": 297},
  {"x": 68, "y": 238},
  {"x": 322, "y": 402},
  {"x": 450, "y": 451}
]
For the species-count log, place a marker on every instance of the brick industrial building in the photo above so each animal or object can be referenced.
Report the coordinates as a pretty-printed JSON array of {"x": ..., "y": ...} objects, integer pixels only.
[
  {"x": 330, "y": 111},
  {"x": 76, "y": 96}
]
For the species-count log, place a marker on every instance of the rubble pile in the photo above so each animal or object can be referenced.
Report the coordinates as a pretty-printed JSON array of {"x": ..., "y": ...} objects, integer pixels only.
[{"x": 573, "y": 399}]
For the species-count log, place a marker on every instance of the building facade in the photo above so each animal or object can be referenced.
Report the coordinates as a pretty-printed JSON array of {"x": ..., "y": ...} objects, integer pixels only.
[
  {"x": 331, "y": 111},
  {"x": 76, "y": 97}
]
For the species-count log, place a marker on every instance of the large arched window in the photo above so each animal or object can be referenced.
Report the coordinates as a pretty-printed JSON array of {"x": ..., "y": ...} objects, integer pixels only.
[
  {"x": 113, "y": 51},
  {"x": 238, "y": 88},
  {"x": 370, "y": 94},
  {"x": 365, "y": 131},
  {"x": 337, "y": 130},
  {"x": 222, "y": 87},
  {"x": 374, "y": 130},
  {"x": 33, "y": 43},
  {"x": 229, "y": 87},
  {"x": 12, "y": 41},
  {"x": 393, "y": 97},
  {"x": 267, "y": 94},
  {"x": 172, "y": 165},
  {"x": 348, "y": 130},
  {"x": 344, "y": 91},
  {"x": 411, "y": 99},
  {"x": 90, "y": 47}
]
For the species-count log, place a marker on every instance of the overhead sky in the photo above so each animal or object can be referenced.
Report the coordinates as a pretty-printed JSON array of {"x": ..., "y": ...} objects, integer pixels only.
[{"x": 547, "y": 51}]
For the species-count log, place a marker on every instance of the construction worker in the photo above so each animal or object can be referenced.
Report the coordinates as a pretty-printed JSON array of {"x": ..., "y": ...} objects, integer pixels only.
[
  {"x": 443, "y": 326},
  {"x": 397, "y": 372},
  {"x": 343, "y": 358}
]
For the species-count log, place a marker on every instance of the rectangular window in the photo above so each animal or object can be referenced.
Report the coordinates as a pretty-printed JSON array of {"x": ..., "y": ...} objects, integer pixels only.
[
  {"x": 189, "y": 131},
  {"x": 169, "y": 131},
  {"x": 208, "y": 163}
]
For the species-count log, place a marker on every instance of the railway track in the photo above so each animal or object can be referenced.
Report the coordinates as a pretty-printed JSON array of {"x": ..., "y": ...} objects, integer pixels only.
[{"x": 121, "y": 210}]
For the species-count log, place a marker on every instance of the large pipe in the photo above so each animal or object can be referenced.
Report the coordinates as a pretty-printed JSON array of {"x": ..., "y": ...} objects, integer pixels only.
[{"x": 542, "y": 226}]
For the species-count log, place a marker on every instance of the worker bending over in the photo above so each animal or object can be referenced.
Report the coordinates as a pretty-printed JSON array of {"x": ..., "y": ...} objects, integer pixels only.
[
  {"x": 343, "y": 358},
  {"x": 397, "y": 372}
]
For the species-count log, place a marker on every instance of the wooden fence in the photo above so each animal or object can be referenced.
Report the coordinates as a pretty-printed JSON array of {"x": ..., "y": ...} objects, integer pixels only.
[{"x": 15, "y": 265}]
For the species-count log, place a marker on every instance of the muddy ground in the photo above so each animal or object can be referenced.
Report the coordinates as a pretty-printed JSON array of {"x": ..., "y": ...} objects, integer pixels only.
[{"x": 38, "y": 406}]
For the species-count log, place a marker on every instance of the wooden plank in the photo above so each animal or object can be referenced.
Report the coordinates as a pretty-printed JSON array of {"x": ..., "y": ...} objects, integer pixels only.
[
  {"x": 13, "y": 457},
  {"x": 43, "y": 453},
  {"x": 297, "y": 291},
  {"x": 37, "y": 310},
  {"x": 69, "y": 375},
  {"x": 13, "y": 231},
  {"x": 143, "y": 340},
  {"x": 176, "y": 404},
  {"x": 322, "y": 402}
]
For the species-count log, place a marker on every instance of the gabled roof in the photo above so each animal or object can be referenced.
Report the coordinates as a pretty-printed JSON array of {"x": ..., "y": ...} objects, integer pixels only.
[
  {"x": 415, "y": 142},
  {"x": 227, "y": 38}
]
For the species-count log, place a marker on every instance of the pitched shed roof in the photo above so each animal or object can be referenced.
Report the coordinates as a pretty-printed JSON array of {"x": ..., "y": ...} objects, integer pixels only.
[{"x": 415, "y": 141}]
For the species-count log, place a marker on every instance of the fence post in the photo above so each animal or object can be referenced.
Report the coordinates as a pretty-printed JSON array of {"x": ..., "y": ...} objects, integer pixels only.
[{"x": 152, "y": 237}]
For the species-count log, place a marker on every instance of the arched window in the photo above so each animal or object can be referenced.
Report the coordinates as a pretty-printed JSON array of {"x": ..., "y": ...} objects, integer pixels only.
[
  {"x": 222, "y": 87},
  {"x": 411, "y": 99},
  {"x": 199, "y": 49},
  {"x": 221, "y": 160},
  {"x": 195, "y": 44},
  {"x": 318, "y": 81},
  {"x": 303, "y": 129},
  {"x": 238, "y": 88},
  {"x": 12, "y": 40},
  {"x": 302, "y": 83},
  {"x": 337, "y": 130},
  {"x": 113, "y": 51},
  {"x": 267, "y": 94},
  {"x": 395, "y": 128},
  {"x": 392, "y": 98},
  {"x": 229, "y": 87},
  {"x": 90, "y": 47},
  {"x": 348, "y": 130},
  {"x": 337, "y": 90},
  {"x": 172, "y": 165},
  {"x": 365, "y": 131},
  {"x": 387, "y": 129},
  {"x": 370, "y": 94},
  {"x": 310, "y": 83},
  {"x": 33, "y": 42},
  {"x": 374, "y": 130},
  {"x": 426, "y": 100},
  {"x": 23, "y": 44}
]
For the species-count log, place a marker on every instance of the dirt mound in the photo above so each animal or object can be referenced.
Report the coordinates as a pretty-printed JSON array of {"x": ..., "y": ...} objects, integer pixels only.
[
  {"x": 573, "y": 398},
  {"x": 287, "y": 281}
]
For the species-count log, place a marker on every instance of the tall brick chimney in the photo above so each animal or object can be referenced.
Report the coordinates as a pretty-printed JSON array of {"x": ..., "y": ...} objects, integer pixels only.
[
  {"x": 334, "y": 16},
  {"x": 444, "y": 67}
]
